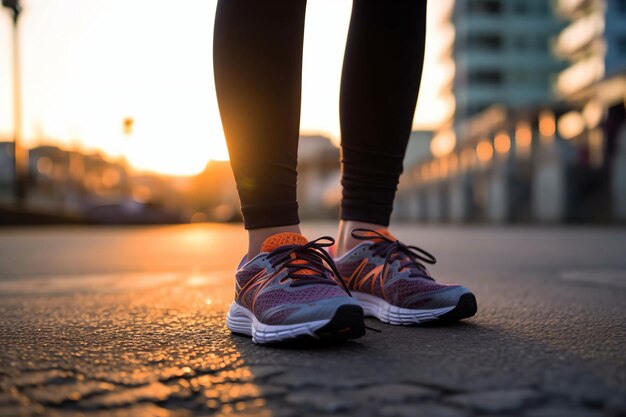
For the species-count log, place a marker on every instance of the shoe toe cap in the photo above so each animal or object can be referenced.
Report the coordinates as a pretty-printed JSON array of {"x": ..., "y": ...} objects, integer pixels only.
[
  {"x": 447, "y": 296},
  {"x": 316, "y": 310}
]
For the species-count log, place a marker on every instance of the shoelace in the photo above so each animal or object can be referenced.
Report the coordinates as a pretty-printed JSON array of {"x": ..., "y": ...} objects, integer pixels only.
[
  {"x": 410, "y": 256},
  {"x": 315, "y": 259}
]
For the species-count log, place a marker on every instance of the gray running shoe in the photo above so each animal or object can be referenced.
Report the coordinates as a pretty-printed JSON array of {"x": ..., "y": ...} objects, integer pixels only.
[
  {"x": 392, "y": 284},
  {"x": 290, "y": 291}
]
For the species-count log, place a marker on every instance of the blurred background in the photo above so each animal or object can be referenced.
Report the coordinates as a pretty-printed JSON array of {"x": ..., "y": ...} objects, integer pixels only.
[{"x": 108, "y": 114}]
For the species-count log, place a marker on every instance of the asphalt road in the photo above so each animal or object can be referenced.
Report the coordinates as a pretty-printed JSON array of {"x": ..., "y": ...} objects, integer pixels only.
[{"x": 130, "y": 322}]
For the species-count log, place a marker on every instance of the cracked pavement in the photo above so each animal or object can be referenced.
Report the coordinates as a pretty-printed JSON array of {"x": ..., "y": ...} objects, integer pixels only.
[{"x": 130, "y": 322}]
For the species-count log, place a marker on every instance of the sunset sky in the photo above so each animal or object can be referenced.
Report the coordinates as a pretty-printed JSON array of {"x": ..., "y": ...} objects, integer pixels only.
[{"x": 87, "y": 65}]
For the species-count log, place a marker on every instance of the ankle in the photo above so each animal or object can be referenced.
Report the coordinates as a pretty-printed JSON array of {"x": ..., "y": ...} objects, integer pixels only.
[
  {"x": 256, "y": 237},
  {"x": 345, "y": 241}
]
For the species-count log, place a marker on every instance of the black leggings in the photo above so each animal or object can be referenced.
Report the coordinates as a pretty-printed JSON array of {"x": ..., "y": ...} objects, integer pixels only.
[{"x": 258, "y": 72}]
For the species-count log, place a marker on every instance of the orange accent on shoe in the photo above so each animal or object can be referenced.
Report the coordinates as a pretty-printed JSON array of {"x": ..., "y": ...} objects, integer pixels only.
[
  {"x": 258, "y": 279},
  {"x": 351, "y": 280},
  {"x": 282, "y": 239},
  {"x": 287, "y": 238}
]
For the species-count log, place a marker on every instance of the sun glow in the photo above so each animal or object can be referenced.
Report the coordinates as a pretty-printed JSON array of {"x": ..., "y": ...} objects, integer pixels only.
[{"x": 88, "y": 66}]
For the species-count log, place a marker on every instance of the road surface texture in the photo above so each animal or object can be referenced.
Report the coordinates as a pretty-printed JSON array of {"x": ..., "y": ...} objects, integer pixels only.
[{"x": 130, "y": 322}]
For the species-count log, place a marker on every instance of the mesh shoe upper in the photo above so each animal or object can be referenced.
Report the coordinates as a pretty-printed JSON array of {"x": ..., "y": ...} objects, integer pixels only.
[
  {"x": 289, "y": 282},
  {"x": 386, "y": 268}
]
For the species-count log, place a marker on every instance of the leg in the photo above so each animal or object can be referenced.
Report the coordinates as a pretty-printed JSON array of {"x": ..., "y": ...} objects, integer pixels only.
[
  {"x": 380, "y": 81},
  {"x": 258, "y": 71},
  {"x": 286, "y": 289},
  {"x": 381, "y": 75}
]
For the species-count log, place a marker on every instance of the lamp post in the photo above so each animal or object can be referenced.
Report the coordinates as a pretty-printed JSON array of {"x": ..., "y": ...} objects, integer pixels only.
[{"x": 20, "y": 155}]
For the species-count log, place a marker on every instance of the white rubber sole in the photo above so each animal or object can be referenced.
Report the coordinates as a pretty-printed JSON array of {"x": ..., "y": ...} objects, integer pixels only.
[
  {"x": 387, "y": 313},
  {"x": 241, "y": 320}
]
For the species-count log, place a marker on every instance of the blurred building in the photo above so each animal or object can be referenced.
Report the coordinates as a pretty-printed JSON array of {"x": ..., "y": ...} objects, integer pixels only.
[
  {"x": 594, "y": 87},
  {"x": 212, "y": 194},
  {"x": 69, "y": 181},
  {"x": 75, "y": 186},
  {"x": 502, "y": 55},
  {"x": 539, "y": 132},
  {"x": 593, "y": 43},
  {"x": 143, "y": 198},
  {"x": 594, "y": 83}
]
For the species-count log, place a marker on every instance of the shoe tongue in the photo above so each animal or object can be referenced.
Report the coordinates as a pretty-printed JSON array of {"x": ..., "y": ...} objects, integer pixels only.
[
  {"x": 282, "y": 239},
  {"x": 388, "y": 235},
  {"x": 287, "y": 238}
]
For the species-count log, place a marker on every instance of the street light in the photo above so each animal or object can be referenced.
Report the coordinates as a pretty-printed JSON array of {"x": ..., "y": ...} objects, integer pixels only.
[{"x": 20, "y": 156}]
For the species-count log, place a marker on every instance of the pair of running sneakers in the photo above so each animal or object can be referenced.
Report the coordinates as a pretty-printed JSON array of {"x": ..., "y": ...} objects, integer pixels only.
[{"x": 295, "y": 289}]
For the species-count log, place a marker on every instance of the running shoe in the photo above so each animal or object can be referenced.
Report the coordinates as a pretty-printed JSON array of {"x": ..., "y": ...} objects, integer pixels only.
[
  {"x": 291, "y": 291},
  {"x": 392, "y": 283}
]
